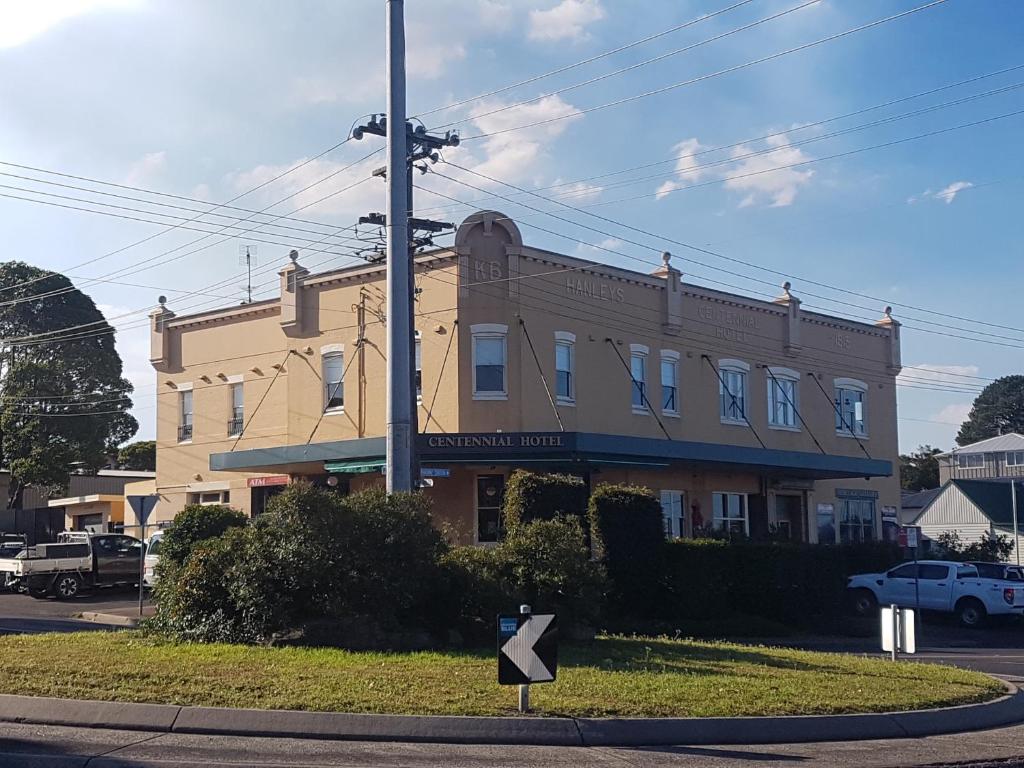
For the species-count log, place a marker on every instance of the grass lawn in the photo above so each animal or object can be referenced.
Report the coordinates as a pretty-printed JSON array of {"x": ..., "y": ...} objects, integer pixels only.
[{"x": 612, "y": 677}]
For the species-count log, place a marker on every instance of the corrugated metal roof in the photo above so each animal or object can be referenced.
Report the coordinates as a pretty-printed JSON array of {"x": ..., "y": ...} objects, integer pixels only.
[
  {"x": 918, "y": 499},
  {"x": 995, "y": 500},
  {"x": 1008, "y": 442}
]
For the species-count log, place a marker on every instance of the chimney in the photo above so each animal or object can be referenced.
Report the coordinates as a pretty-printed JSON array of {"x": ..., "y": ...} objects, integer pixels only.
[
  {"x": 792, "y": 305},
  {"x": 292, "y": 276},
  {"x": 895, "y": 363},
  {"x": 159, "y": 336},
  {"x": 672, "y": 303}
]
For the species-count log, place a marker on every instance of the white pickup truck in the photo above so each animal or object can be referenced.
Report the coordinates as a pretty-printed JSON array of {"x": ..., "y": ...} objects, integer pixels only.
[
  {"x": 938, "y": 585},
  {"x": 77, "y": 561}
]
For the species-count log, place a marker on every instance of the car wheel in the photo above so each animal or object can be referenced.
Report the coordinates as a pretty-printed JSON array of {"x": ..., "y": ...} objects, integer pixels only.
[
  {"x": 38, "y": 594},
  {"x": 863, "y": 602},
  {"x": 971, "y": 613},
  {"x": 67, "y": 586}
]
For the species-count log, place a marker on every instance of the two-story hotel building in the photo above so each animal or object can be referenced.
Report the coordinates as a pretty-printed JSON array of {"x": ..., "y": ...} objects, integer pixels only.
[{"x": 754, "y": 416}]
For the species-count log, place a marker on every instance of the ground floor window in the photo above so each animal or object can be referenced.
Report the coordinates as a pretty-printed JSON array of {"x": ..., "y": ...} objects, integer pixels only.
[
  {"x": 730, "y": 513},
  {"x": 672, "y": 512},
  {"x": 856, "y": 520},
  {"x": 826, "y": 524},
  {"x": 261, "y": 496},
  {"x": 490, "y": 491},
  {"x": 210, "y": 498}
]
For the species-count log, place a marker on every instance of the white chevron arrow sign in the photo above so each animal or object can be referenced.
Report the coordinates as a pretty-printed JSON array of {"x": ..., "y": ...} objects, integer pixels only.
[{"x": 520, "y": 649}]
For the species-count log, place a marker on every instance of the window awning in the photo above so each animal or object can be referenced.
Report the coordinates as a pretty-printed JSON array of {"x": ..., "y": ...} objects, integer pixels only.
[{"x": 356, "y": 466}]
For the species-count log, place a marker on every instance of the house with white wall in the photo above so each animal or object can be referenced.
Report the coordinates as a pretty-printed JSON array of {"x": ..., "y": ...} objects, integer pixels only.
[{"x": 972, "y": 507}]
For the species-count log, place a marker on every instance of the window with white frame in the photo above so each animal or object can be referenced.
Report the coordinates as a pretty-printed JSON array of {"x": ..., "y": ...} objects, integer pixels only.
[
  {"x": 672, "y": 513},
  {"x": 670, "y": 382},
  {"x": 565, "y": 362},
  {"x": 730, "y": 513},
  {"x": 638, "y": 374},
  {"x": 185, "y": 415},
  {"x": 419, "y": 366},
  {"x": 333, "y": 376},
  {"x": 974, "y": 460},
  {"x": 851, "y": 407},
  {"x": 782, "y": 394},
  {"x": 732, "y": 390},
  {"x": 489, "y": 356},
  {"x": 209, "y": 498},
  {"x": 1015, "y": 458}
]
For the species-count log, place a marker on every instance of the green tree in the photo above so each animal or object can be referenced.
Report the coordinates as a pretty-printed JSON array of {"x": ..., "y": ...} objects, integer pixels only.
[
  {"x": 140, "y": 455},
  {"x": 992, "y": 548},
  {"x": 997, "y": 410},
  {"x": 920, "y": 469},
  {"x": 65, "y": 402}
]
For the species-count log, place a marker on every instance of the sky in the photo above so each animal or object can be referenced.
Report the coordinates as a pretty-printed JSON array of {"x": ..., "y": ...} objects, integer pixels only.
[{"x": 916, "y": 204}]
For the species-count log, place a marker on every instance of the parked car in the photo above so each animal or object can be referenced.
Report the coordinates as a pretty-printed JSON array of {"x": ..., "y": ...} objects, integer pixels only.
[
  {"x": 937, "y": 585},
  {"x": 152, "y": 558},
  {"x": 77, "y": 561},
  {"x": 1002, "y": 571}
]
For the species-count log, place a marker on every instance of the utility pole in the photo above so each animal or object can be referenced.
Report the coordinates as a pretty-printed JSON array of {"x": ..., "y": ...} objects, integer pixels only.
[{"x": 405, "y": 146}]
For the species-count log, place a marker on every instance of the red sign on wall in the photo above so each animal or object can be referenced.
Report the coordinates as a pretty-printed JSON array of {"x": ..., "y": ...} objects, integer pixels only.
[{"x": 259, "y": 482}]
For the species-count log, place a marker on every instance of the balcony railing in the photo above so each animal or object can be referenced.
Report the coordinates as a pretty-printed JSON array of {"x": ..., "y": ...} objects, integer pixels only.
[
  {"x": 184, "y": 432},
  {"x": 235, "y": 426}
]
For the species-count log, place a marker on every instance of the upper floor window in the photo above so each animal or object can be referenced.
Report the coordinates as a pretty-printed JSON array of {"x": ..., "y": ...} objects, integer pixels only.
[
  {"x": 638, "y": 374},
  {"x": 974, "y": 460},
  {"x": 419, "y": 366},
  {"x": 851, "y": 407},
  {"x": 565, "y": 383},
  {"x": 782, "y": 394},
  {"x": 236, "y": 422},
  {"x": 185, "y": 414},
  {"x": 489, "y": 356},
  {"x": 732, "y": 390},
  {"x": 1015, "y": 458},
  {"x": 670, "y": 382},
  {"x": 333, "y": 376}
]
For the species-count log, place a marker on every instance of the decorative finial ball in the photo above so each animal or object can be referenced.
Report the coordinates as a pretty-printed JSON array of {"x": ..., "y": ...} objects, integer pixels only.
[
  {"x": 888, "y": 311},
  {"x": 786, "y": 286},
  {"x": 161, "y": 300},
  {"x": 666, "y": 257},
  {"x": 293, "y": 255}
]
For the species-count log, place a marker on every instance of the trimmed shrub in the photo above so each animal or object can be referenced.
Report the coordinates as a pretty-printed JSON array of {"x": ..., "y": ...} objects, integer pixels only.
[
  {"x": 628, "y": 536},
  {"x": 545, "y": 563},
  {"x": 196, "y": 523},
  {"x": 530, "y": 496}
]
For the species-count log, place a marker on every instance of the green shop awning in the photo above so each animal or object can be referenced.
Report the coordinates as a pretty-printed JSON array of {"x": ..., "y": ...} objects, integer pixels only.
[{"x": 356, "y": 466}]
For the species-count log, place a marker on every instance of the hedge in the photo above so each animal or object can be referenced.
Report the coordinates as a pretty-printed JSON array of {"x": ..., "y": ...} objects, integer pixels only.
[
  {"x": 530, "y": 496},
  {"x": 795, "y": 584}
]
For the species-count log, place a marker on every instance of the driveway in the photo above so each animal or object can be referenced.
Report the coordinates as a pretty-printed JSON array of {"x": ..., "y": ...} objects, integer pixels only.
[{"x": 23, "y": 614}]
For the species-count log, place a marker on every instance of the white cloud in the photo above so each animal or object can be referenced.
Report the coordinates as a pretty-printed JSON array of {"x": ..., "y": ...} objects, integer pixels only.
[
  {"x": 955, "y": 413},
  {"x": 756, "y": 177},
  {"x": 685, "y": 165},
  {"x": 577, "y": 192},
  {"x": 146, "y": 169},
  {"x": 599, "y": 249},
  {"x": 938, "y": 374},
  {"x": 493, "y": 14},
  {"x": 22, "y": 21},
  {"x": 430, "y": 50},
  {"x": 322, "y": 89},
  {"x": 947, "y": 194},
  {"x": 566, "y": 21}
]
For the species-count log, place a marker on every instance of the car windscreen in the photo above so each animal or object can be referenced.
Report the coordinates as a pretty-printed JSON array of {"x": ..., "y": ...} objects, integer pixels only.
[{"x": 153, "y": 548}]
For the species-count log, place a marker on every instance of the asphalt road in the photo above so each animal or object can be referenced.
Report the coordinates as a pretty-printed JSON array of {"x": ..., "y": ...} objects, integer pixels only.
[
  {"x": 28, "y": 746},
  {"x": 24, "y": 614}
]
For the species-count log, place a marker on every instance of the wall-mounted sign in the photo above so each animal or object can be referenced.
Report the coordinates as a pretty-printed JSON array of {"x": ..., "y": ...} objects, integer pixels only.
[
  {"x": 492, "y": 440},
  {"x": 855, "y": 493},
  {"x": 260, "y": 482}
]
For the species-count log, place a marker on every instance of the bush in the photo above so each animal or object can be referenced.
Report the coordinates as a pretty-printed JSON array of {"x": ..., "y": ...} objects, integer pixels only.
[
  {"x": 194, "y": 524},
  {"x": 628, "y": 536},
  {"x": 314, "y": 555},
  {"x": 545, "y": 564},
  {"x": 992, "y": 548},
  {"x": 530, "y": 496}
]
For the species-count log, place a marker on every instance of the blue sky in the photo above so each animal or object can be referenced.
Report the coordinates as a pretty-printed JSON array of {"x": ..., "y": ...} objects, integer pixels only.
[{"x": 207, "y": 99}]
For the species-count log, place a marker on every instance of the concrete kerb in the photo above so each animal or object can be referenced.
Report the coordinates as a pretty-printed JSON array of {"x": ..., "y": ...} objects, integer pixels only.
[
  {"x": 553, "y": 731},
  {"x": 112, "y": 619}
]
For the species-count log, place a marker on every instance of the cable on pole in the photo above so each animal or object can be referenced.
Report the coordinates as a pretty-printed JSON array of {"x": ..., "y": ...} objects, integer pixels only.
[
  {"x": 641, "y": 389},
  {"x": 735, "y": 400},
  {"x": 543, "y": 379},
  {"x": 839, "y": 413}
]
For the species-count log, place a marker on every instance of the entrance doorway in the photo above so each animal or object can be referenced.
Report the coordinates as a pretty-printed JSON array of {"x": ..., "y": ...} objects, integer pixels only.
[{"x": 789, "y": 516}]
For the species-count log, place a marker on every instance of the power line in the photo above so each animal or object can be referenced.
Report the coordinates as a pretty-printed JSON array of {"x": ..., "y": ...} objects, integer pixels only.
[
  {"x": 719, "y": 73},
  {"x": 590, "y": 60},
  {"x": 632, "y": 67}
]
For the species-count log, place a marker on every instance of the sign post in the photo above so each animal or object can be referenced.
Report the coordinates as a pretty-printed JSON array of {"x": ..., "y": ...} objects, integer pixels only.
[
  {"x": 527, "y": 651},
  {"x": 142, "y": 506}
]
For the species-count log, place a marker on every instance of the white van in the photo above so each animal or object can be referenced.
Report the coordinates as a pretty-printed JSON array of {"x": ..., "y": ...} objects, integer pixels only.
[{"x": 152, "y": 558}]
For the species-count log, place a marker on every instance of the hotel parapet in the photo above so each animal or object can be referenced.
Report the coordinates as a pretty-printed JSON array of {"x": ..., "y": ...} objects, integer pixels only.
[{"x": 753, "y": 416}]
